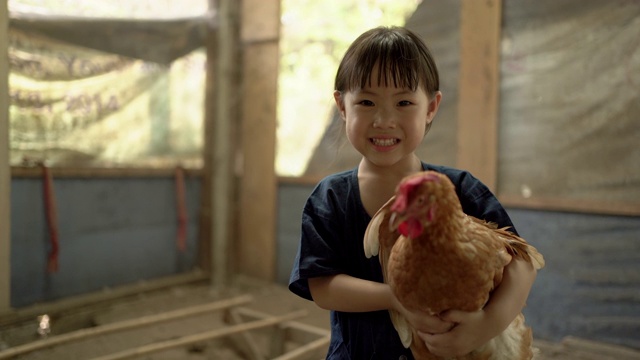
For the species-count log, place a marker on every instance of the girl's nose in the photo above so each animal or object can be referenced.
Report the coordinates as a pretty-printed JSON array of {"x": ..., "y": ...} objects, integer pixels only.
[{"x": 384, "y": 120}]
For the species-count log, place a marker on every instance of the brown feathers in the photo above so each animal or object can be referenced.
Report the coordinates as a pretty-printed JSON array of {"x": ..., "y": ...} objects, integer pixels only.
[{"x": 436, "y": 258}]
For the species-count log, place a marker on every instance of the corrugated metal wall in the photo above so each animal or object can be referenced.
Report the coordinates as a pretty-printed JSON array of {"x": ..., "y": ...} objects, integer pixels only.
[{"x": 112, "y": 232}]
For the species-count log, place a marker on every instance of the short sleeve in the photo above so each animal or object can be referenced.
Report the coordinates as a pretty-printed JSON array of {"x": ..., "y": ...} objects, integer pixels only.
[
  {"x": 478, "y": 201},
  {"x": 321, "y": 251},
  {"x": 476, "y": 198}
]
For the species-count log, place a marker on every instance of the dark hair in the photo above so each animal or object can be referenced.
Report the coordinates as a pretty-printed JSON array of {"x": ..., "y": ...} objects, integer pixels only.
[{"x": 402, "y": 58}]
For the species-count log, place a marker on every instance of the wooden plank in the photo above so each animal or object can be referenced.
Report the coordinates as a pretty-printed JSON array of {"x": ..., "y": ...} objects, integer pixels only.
[
  {"x": 71, "y": 172},
  {"x": 537, "y": 203},
  {"x": 206, "y": 196},
  {"x": 314, "y": 349},
  {"x": 209, "y": 335},
  {"x": 297, "y": 331},
  {"x": 248, "y": 344},
  {"x": 124, "y": 325},
  {"x": 258, "y": 187},
  {"x": 79, "y": 301},
  {"x": 571, "y": 205},
  {"x": 5, "y": 173},
  {"x": 314, "y": 341},
  {"x": 479, "y": 88}
]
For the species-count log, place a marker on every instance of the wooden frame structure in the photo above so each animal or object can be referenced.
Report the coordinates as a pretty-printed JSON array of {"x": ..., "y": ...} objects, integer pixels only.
[
  {"x": 5, "y": 170},
  {"x": 243, "y": 52},
  {"x": 240, "y": 191},
  {"x": 256, "y": 27},
  {"x": 238, "y": 320}
]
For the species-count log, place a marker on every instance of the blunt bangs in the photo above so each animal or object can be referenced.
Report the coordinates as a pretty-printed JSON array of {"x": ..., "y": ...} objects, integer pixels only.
[{"x": 401, "y": 57}]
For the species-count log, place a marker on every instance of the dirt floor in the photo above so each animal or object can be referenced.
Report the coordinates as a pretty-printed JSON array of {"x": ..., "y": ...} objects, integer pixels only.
[{"x": 111, "y": 329}]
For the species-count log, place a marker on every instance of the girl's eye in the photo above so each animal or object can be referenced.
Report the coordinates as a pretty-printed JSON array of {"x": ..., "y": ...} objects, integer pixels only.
[{"x": 366, "y": 103}]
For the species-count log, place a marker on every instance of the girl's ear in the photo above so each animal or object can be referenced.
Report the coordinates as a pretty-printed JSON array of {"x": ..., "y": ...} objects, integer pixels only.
[
  {"x": 434, "y": 104},
  {"x": 337, "y": 96}
]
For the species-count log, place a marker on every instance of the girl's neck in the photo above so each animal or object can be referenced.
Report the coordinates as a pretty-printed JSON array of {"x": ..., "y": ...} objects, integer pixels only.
[
  {"x": 410, "y": 165},
  {"x": 378, "y": 183}
]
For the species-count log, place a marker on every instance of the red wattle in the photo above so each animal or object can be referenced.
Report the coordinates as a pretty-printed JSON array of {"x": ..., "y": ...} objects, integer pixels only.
[{"x": 411, "y": 228}]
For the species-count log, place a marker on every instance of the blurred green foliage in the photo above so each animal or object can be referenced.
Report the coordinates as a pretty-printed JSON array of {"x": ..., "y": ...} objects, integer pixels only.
[{"x": 314, "y": 36}]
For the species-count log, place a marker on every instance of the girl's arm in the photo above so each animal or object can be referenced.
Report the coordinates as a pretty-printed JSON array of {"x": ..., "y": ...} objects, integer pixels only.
[
  {"x": 477, "y": 328},
  {"x": 349, "y": 294}
]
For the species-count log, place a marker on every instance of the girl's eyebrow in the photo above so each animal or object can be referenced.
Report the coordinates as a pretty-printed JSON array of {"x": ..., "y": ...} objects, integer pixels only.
[{"x": 369, "y": 92}]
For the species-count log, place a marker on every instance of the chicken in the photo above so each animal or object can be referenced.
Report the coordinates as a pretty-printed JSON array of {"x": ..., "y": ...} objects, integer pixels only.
[{"x": 436, "y": 258}]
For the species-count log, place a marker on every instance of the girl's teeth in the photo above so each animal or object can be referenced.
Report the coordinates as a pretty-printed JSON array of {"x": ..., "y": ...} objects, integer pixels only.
[{"x": 384, "y": 142}]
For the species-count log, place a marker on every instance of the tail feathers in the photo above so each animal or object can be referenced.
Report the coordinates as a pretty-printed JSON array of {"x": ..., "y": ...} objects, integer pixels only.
[
  {"x": 528, "y": 253},
  {"x": 402, "y": 327},
  {"x": 519, "y": 248}
]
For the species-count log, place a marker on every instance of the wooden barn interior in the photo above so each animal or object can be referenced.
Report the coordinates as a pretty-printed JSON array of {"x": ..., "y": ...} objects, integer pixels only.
[{"x": 178, "y": 254}]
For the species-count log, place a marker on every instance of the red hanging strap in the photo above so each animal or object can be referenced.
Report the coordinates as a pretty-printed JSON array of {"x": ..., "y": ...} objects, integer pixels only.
[
  {"x": 52, "y": 218},
  {"x": 181, "y": 209}
]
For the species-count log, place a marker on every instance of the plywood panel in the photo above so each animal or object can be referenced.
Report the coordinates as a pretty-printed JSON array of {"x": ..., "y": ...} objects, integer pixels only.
[
  {"x": 569, "y": 109},
  {"x": 479, "y": 88}
]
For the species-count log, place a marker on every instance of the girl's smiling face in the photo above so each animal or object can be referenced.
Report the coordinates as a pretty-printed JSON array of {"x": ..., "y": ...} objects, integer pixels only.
[{"x": 386, "y": 124}]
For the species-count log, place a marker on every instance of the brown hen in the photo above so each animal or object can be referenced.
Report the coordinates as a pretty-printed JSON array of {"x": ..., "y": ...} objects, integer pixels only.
[{"x": 436, "y": 258}]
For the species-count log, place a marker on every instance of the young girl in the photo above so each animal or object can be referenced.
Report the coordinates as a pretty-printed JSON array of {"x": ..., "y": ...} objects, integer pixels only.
[{"x": 386, "y": 90}]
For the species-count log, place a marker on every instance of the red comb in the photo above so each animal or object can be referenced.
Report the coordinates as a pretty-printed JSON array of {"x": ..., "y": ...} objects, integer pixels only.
[{"x": 406, "y": 187}]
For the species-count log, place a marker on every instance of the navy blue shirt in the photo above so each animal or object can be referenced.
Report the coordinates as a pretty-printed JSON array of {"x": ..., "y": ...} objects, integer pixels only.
[{"x": 333, "y": 226}]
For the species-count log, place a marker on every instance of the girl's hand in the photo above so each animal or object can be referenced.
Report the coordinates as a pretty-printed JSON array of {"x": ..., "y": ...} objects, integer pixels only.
[
  {"x": 424, "y": 322},
  {"x": 469, "y": 333}
]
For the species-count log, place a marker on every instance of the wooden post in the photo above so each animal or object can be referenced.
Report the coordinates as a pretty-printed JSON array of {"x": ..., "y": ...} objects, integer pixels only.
[
  {"x": 224, "y": 113},
  {"x": 5, "y": 169},
  {"x": 258, "y": 187},
  {"x": 479, "y": 89}
]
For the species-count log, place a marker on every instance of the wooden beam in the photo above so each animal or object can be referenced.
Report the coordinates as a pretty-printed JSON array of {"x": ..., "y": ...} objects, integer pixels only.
[
  {"x": 124, "y": 325},
  {"x": 206, "y": 197},
  {"x": 205, "y": 336},
  {"x": 246, "y": 343},
  {"x": 256, "y": 252},
  {"x": 599, "y": 207},
  {"x": 479, "y": 89},
  {"x": 5, "y": 172},
  {"x": 221, "y": 117},
  {"x": 95, "y": 173},
  {"x": 289, "y": 331},
  {"x": 316, "y": 348},
  {"x": 55, "y": 308}
]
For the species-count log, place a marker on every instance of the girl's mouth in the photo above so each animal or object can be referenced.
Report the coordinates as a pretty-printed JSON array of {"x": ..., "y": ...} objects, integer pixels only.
[{"x": 384, "y": 142}]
